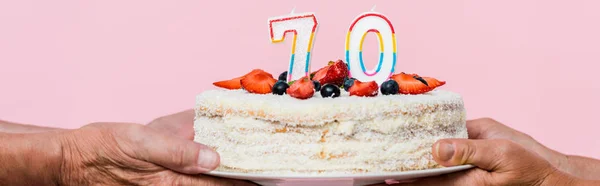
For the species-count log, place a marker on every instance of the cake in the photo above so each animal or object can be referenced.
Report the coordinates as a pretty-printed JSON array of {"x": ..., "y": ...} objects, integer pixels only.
[{"x": 353, "y": 130}]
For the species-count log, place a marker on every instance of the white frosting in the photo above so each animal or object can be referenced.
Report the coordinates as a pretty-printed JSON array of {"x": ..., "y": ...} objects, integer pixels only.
[
  {"x": 317, "y": 110},
  {"x": 345, "y": 128},
  {"x": 274, "y": 134}
]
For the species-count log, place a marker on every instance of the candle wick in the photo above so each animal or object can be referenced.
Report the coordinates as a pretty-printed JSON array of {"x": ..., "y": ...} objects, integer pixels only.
[
  {"x": 373, "y": 9},
  {"x": 293, "y": 9}
]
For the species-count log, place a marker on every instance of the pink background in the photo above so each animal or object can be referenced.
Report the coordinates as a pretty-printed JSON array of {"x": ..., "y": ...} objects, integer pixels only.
[{"x": 530, "y": 64}]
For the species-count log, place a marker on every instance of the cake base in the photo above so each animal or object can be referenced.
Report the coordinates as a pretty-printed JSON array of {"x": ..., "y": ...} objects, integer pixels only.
[{"x": 375, "y": 141}]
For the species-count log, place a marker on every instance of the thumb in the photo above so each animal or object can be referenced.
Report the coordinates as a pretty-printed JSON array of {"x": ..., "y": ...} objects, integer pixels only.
[
  {"x": 177, "y": 154},
  {"x": 489, "y": 155}
]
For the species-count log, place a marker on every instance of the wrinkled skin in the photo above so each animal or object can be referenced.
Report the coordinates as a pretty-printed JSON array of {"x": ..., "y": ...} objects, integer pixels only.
[
  {"x": 502, "y": 156},
  {"x": 133, "y": 154}
]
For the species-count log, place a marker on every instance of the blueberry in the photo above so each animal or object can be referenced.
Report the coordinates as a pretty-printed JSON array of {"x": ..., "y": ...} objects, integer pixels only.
[
  {"x": 317, "y": 85},
  {"x": 330, "y": 90},
  {"x": 283, "y": 76},
  {"x": 389, "y": 87},
  {"x": 348, "y": 82},
  {"x": 280, "y": 87}
]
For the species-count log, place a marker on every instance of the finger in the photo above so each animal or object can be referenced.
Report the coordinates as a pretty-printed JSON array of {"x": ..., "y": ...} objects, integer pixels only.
[
  {"x": 179, "y": 124},
  {"x": 478, "y": 128},
  {"x": 185, "y": 116},
  {"x": 486, "y": 154},
  {"x": 177, "y": 154}
]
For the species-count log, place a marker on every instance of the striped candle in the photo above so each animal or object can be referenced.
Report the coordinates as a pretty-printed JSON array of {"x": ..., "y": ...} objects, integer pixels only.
[
  {"x": 303, "y": 26},
  {"x": 365, "y": 23}
]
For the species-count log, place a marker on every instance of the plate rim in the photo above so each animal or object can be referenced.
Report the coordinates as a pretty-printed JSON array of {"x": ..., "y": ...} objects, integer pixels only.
[{"x": 338, "y": 176}]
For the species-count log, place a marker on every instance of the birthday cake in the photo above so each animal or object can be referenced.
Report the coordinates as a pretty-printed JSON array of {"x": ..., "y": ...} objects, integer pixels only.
[{"x": 327, "y": 123}]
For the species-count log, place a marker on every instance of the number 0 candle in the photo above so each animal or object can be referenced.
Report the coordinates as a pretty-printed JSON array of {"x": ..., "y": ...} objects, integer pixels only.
[
  {"x": 303, "y": 26},
  {"x": 371, "y": 22}
]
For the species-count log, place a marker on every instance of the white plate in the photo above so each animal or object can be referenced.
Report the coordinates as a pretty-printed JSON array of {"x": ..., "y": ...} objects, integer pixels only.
[{"x": 337, "y": 180}]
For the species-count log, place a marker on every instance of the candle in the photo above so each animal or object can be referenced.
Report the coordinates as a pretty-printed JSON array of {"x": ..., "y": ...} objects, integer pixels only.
[
  {"x": 371, "y": 22},
  {"x": 303, "y": 26}
]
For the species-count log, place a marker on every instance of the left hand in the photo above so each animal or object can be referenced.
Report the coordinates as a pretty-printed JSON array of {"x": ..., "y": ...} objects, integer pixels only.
[
  {"x": 132, "y": 154},
  {"x": 180, "y": 124}
]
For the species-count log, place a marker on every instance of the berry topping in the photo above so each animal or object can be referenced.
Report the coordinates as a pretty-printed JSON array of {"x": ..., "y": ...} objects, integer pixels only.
[
  {"x": 317, "y": 85},
  {"x": 230, "y": 84},
  {"x": 330, "y": 90},
  {"x": 235, "y": 83},
  {"x": 389, "y": 87},
  {"x": 333, "y": 73},
  {"x": 361, "y": 89},
  {"x": 432, "y": 82},
  {"x": 280, "y": 87},
  {"x": 302, "y": 89},
  {"x": 348, "y": 82},
  {"x": 283, "y": 76},
  {"x": 320, "y": 74},
  {"x": 414, "y": 84},
  {"x": 259, "y": 83},
  {"x": 417, "y": 77}
]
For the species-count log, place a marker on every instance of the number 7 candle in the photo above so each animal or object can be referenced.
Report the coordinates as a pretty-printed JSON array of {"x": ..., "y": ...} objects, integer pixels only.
[
  {"x": 303, "y": 26},
  {"x": 371, "y": 22}
]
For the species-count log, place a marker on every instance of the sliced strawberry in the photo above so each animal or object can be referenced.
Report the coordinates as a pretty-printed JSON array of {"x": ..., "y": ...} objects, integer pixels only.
[
  {"x": 320, "y": 74},
  {"x": 368, "y": 89},
  {"x": 230, "y": 84},
  {"x": 333, "y": 73},
  {"x": 415, "y": 84},
  {"x": 235, "y": 82},
  {"x": 432, "y": 82},
  {"x": 258, "y": 83},
  {"x": 429, "y": 81},
  {"x": 302, "y": 89}
]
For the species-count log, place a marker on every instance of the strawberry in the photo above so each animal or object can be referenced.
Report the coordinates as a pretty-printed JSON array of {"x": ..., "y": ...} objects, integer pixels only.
[
  {"x": 415, "y": 84},
  {"x": 333, "y": 73},
  {"x": 235, "y": 82},
  {"x": 302, "y": 89},
  {"x": 368, "y": 89},
  {"x": 432, "y": 82},
  {"x": 258, "y": 83},
  {"x": 230, "y": 84},
  {"x": 320, "y": 74}
]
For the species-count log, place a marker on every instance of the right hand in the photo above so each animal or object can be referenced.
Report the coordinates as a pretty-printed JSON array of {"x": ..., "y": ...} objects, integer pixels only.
[
  {"x": 133, "y": 154},
  {"x": 487, "y": 128},
  {"x": 498, "y": 162},
  {"x": 502, "y": 156}
]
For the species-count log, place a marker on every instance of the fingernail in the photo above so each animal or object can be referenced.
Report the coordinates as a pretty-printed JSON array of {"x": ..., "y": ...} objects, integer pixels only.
[
  {"x": 208, "y": 158},
  {"x": 445, "y": 151}
]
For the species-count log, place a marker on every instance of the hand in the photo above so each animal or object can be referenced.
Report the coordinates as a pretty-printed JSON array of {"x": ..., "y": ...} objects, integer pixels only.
[
  {"x": 578, "y": 166},
  {"x": 502, "y": 156},
  {"x": 498, "y": 162},
  {"x": 179, "y": 124},
  {"x": 487, "y": 128},
  {"x": 132, "y": 154}
]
